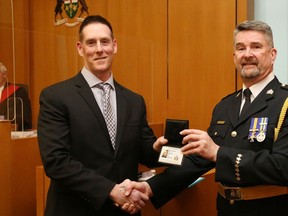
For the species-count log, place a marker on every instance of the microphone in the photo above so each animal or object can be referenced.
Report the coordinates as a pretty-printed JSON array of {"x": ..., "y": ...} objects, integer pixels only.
[
  {"x": 14, "y": 104},
  {"x": 14, "y": 73}
]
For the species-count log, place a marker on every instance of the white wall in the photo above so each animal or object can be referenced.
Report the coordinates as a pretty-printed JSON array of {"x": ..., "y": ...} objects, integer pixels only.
[{"x": 275, "y": 14}]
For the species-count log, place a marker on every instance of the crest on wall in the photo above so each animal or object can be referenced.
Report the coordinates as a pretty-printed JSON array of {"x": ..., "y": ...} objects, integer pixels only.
[{"x": 75, "y": 12}]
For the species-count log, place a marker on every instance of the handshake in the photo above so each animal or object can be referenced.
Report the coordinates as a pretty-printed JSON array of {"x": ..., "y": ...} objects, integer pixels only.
[{"x": 131, "y": 196}]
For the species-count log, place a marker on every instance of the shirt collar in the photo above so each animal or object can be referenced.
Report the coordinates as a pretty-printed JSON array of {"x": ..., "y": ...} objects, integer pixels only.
[
  {"x": 258, "y": 87},
  {"x": 93, "y": 80}
]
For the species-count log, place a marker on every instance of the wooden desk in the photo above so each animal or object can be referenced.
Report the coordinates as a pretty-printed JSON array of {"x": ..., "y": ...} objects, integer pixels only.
[
  {"x": 18, "y": 159},
  {"x": 197, "y": 200}
]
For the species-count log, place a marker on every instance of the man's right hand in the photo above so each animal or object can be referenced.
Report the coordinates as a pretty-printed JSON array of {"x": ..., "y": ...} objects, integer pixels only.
[{"x": 128, "y": 197}]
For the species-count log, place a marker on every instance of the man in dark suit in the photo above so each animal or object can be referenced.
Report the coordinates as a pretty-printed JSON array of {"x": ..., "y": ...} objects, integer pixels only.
[
  {"x": 87, "y": 163},
  {"x": 15, "y": 104},
  {"x": 248, "y": 146}
]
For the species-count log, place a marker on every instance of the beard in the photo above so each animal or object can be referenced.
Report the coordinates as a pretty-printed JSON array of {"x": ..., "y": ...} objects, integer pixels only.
[
  {"x": 249, "y": 68},
  {"x": 250, "y": 73}
]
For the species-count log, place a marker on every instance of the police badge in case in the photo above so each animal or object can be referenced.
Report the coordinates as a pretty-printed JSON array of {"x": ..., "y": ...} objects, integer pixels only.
[
  {"x": 171, "y": 153},
  {"x": 258, "y": 128}
]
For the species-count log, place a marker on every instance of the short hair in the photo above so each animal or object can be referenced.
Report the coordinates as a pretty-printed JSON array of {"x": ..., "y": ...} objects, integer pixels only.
[
  {"x": 94, "y": 19},
  {"x": 3, "y": 69},
  {"x": 256, "y": 25}
]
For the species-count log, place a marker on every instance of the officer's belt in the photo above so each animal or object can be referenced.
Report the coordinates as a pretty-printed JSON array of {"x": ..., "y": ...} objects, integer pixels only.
[{"x": 251, "y": 193}]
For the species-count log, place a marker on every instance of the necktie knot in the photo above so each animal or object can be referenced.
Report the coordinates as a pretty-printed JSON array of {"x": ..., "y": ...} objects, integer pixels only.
[
  {"x": 106, "y": 88},
  {"x": 247, "y": 93}
]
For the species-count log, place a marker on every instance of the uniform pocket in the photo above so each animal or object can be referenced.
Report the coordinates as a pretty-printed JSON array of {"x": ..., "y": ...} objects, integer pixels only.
[{"x": 217, "y": 130}]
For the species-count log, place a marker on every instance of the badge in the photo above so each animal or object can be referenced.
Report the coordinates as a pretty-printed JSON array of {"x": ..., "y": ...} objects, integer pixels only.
[
  {"x": 270, "y": 92},
  {"x": 171, "y": 155},
  {"x": 261, "y": 137},
  {"x": 258, "y": 128}
]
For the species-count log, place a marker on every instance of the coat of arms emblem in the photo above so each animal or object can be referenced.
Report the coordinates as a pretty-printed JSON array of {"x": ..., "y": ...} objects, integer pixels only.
[{"x": 74, "y": 9}]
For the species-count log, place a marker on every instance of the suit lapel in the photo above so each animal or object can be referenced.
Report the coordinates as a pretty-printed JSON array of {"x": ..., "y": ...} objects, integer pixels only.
[
  {"x": 121, "y": 113},
  {"x": 233, "y": 113},
  {"x": 86, "y": 93}
]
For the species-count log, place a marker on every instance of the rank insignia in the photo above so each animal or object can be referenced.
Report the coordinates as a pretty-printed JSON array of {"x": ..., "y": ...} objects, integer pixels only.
[
  {"x": 258, "y": 128},
  {"x": 270, "y": 92}
]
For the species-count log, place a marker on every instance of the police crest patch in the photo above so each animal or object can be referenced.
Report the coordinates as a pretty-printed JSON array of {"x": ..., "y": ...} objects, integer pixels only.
[{"x": 73, "y": 15}]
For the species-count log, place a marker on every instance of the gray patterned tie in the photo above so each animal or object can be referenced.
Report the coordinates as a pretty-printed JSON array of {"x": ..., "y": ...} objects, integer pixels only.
[{"x": 108, "y": 111}]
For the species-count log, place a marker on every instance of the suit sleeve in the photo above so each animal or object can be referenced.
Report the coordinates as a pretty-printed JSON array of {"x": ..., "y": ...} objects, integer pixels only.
[
  {"x": 175, "y": 179},
  {"x": 148, "y": 156}
]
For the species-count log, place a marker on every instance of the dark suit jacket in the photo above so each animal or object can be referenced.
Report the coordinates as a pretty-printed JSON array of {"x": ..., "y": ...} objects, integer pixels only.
[
  {"x": 261, "y": 162},
  {"x": 77, "y": 152},
  {"x": 20, "y": 93}
]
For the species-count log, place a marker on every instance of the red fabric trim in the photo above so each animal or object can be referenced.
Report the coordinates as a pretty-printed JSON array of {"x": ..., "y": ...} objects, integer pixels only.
[{"x": 8, "y": 91}]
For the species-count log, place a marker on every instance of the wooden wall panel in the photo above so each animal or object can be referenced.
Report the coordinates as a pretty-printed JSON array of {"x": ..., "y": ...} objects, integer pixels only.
[
  {"x": 25, "y": 157},
  {"x": 245, "y": 11},
  {"x": 18, "y": 159},
  {"x": 53, "y": 50},
  {"x": 5, "y": 168},
  {"x": 201, "y": 69},
  {"x": 20, "y": 52},
  {"x": 140, "y": 64},
  {"x": 6, "y": 34}
]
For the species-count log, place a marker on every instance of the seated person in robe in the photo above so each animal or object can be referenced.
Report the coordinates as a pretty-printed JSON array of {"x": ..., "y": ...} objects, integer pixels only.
[{"x": 15, "y": 104}]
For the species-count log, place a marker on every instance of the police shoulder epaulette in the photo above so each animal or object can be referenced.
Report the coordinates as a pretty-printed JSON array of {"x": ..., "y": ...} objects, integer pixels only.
[
  {"x": 237, "y": 93},
  {"x": 284, "y": 86}
]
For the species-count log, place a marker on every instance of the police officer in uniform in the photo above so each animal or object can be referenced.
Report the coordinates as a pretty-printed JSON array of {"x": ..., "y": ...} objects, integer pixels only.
[{"x": 247, "y": 141}]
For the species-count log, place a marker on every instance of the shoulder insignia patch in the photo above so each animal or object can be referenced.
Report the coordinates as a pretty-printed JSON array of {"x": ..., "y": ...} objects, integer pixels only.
[
  {"x": 237, "y": 93},
  {"x": 284, "y": 86}
]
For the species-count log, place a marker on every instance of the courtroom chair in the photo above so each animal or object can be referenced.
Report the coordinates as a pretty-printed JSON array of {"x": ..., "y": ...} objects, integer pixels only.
[{"x": 25, "y": 86}]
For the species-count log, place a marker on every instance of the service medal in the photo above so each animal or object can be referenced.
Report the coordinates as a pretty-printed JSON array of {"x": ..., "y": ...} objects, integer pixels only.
[
  {"x": 258, "y": 128},
  {"x": 261, "y": 136}
]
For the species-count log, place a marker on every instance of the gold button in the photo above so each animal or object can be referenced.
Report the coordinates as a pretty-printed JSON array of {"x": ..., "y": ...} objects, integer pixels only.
[{"x": 233, "y": 133}]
